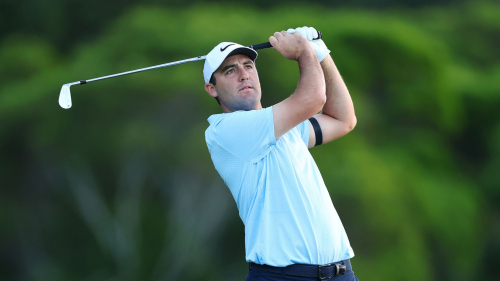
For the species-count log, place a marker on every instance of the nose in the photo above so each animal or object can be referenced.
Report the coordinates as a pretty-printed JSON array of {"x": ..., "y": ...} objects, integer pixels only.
[{"x": 243, "y": 73}]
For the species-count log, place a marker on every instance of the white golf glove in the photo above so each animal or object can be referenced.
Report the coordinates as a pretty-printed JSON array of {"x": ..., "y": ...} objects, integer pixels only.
[{"x": 318, "y": 45}]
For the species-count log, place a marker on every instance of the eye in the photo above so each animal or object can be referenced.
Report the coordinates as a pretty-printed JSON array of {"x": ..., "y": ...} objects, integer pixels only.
[
  {"x": 248, "y": 66},
  {"x": 230, "y": 71}
]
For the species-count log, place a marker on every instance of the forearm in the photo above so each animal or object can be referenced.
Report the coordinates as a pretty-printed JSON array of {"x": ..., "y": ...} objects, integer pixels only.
[
  {"x": 311, "y": 86},
  {"x": 338, "y": 101},
  {"x": 309, "y": 96}
]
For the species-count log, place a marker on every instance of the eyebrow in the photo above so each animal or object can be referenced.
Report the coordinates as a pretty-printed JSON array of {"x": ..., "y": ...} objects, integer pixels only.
[{"x": 233, "y": 65}]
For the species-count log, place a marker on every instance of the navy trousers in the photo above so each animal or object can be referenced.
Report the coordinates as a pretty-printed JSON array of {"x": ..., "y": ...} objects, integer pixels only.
[{"x": 255, "y": 275}]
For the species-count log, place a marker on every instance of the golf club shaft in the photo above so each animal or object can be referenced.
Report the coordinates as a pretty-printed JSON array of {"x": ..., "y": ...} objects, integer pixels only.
[
  {"x": 255, "y": 47},
  {"x": 143, "y": 69},
  {"x": 260, "y": 46},
  {"x": 65, "y": 94}
]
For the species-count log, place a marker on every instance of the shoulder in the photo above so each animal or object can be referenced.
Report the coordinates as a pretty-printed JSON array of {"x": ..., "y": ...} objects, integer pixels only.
[
  {"x": 239, "y": 118},
  {"x": 243, "y": 133}
]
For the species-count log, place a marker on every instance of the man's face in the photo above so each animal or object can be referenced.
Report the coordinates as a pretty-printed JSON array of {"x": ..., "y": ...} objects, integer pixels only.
[{"x": 237, "y": 84}]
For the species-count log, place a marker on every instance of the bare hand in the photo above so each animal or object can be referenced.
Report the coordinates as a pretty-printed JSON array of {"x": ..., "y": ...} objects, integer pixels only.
[{"x": 291, "y": 46}]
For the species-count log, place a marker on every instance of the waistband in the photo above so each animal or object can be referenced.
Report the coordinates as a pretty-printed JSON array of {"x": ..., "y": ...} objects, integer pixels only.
[{"x": 321, "y": 272}]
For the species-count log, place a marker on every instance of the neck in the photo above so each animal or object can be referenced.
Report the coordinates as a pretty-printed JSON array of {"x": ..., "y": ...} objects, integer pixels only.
[{"x": 225, "y": 109}]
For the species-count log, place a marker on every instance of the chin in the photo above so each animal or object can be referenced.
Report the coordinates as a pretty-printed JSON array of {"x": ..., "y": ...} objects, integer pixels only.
[
  {"x": 247, "y": 108},
  {"x": 244, "y": 106},
  {"x": 247, "y": 103}
]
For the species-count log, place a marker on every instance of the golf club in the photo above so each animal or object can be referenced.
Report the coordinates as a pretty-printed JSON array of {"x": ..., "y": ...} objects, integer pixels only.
[{"x": 65, "y": 95}]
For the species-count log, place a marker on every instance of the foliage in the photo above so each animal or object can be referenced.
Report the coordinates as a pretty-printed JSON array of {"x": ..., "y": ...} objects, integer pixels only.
[{"x": 121, "y": 186}]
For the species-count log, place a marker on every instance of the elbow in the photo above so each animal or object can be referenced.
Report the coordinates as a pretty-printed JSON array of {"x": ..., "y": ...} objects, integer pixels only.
[
  {"x": 320, "y": 100},
  {"x": 347, "y": 127},
  {"x": 318, "y": 91},
  {"x": 322, "y": 93},
  {"x": 314, "y": 102},
  {"x": 312, "y": 97},
  {"x": 350, "y": 125}
]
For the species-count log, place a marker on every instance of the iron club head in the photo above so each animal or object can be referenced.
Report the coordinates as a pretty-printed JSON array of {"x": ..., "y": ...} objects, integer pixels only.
[{"x": 65, "y": 95}]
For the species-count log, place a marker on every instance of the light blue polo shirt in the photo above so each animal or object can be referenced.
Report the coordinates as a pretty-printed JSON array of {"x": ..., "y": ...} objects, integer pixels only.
[{"x": 280, "y": 194}]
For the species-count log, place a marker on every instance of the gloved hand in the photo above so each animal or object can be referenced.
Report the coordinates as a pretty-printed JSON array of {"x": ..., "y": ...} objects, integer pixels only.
[{"x": 318, "y": 45}]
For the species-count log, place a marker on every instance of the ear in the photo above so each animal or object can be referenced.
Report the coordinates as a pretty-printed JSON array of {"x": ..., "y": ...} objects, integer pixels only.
[{"x": 210, "y": 88}]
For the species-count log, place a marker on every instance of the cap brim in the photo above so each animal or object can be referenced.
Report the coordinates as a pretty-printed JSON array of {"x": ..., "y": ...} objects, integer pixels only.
[{"x": 244, "y": 51}]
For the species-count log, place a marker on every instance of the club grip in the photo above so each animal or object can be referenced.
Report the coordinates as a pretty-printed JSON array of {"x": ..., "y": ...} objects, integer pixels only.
[
  {"x": 266, "y": 45},
  {"x": 261, "y": 46}
]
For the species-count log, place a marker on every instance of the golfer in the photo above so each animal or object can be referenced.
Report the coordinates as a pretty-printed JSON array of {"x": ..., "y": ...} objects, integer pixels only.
[{"x": 292, "y": 231}]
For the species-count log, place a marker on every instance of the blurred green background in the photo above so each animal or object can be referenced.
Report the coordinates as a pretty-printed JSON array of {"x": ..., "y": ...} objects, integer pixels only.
[{"x": 121, "y": 186}]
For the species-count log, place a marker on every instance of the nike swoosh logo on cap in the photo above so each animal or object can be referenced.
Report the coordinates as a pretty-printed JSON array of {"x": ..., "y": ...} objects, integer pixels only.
[{"x": 223, "y": 49}]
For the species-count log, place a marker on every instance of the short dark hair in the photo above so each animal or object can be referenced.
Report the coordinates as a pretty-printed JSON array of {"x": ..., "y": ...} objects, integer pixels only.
[{"x": 214, "y": 82}]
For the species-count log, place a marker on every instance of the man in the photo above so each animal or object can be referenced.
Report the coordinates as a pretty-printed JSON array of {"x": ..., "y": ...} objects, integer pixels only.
[{"x": 292, "y": 231}]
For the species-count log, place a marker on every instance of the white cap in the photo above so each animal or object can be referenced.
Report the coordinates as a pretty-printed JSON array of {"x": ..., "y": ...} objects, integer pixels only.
[{"x": 225, "y": 49}]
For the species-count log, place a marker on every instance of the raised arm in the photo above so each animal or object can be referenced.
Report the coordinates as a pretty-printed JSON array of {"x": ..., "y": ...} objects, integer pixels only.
[
  {"x": 309, "y": 97},
  {"x": 337, "y": 117}
]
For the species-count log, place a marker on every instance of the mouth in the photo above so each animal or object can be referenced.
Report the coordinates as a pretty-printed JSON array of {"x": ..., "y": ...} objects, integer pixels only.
[{"x": 246, "y": 87}]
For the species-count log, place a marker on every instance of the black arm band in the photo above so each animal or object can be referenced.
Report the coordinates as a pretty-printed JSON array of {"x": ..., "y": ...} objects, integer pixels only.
[{"x": 317, "y": 131}]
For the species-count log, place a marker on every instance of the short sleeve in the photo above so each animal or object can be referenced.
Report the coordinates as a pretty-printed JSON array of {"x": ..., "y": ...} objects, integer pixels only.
[
  {"x": 304, "y": 129},
  {"x": 247, "y": 134}
]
